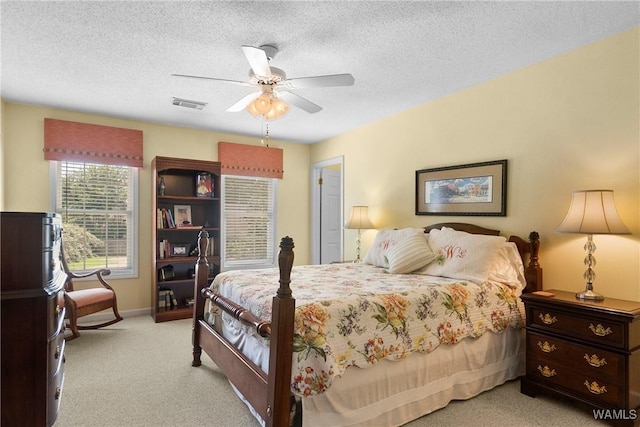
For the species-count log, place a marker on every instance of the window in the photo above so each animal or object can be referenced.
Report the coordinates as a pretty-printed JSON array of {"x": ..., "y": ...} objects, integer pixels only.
[
  {"x": 248, "y": 235},
  {"x": 98, "y": 204}
]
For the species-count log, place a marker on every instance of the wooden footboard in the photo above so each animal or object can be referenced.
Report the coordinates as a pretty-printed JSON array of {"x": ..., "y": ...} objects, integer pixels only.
[{"x": 268, "y": 394}]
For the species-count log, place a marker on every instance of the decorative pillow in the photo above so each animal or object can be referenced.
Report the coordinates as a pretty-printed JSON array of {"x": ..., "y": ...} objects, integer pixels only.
[
  {"x": 461, "y": 255},
  {"x": 409, "y": 254},
  {"x": 386, "y": 239},
  {"x": 507, "y": 267}
]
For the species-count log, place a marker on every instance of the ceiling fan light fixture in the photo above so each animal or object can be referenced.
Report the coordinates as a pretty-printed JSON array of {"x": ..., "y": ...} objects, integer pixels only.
[{"x": 269, "y": 107}]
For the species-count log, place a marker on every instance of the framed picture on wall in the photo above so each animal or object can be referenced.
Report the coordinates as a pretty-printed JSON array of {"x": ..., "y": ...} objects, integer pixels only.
[{"x": 473, "y": 189}]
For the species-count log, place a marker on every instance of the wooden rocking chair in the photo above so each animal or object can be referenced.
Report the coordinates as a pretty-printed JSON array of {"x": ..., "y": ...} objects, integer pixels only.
[{"x": 87, "y": 301}]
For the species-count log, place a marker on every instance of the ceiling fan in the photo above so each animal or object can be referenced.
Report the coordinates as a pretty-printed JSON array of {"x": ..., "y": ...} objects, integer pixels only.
[{"x": 275, "y": 89}]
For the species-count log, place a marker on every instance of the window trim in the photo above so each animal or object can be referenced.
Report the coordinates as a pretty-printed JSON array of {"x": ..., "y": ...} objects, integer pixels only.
[
  {"x": 224, "y": 266},
  {"x": 132, "y": 273}
]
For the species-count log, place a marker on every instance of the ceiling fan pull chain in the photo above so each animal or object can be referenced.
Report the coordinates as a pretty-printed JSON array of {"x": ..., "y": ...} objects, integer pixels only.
[
  {"x": 264, "y": 140},
  {"x": 267, "y": 135}
]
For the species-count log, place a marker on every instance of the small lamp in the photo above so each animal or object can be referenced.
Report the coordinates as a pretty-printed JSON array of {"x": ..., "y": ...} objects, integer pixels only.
[
  {"x": 592, "y": 212},
  {"x": 359, "y": 219}
]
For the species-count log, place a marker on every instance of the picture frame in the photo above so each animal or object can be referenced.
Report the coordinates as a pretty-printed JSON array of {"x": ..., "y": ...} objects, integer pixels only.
[
  {"x": 180, "y": 249},
  {"x": 182, "y": 215},
  {"x": 204, "y": 185},
  {"x": 478, "y": 189}
]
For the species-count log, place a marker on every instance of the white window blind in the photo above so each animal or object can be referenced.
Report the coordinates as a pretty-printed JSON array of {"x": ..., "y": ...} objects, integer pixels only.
[
  {"x": 248, "y": 239},
  {"x": 98, "y": 208}
]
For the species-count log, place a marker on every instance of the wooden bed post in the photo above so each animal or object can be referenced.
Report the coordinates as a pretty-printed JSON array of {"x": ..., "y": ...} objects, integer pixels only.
[
  {"x": 533, "y": 271},
  {"x": 202, "y": 276},
  {"x": 281, "y": 346}
]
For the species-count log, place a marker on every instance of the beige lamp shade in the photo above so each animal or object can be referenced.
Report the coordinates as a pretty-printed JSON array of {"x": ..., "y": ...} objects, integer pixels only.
[
  {"x": 359, "y": 218},
  {"x": 592, "y": 212}
]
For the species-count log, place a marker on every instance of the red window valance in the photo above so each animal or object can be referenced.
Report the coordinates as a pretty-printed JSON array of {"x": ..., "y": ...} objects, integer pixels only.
[
  {"x": 250, "y": 160},
  {"x": 83, "y": 142}
]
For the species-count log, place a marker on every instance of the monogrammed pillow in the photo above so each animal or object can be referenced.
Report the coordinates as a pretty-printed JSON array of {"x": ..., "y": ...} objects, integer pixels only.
[{"x": 461, "y": 255}]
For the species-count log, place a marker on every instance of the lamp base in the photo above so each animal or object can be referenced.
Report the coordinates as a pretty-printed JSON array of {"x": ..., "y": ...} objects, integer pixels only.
[{"x": 588, "y": 294}]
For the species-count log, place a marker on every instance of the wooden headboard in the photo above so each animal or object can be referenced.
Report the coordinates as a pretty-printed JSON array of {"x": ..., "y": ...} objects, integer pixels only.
[{"x": 528, "y": 250}]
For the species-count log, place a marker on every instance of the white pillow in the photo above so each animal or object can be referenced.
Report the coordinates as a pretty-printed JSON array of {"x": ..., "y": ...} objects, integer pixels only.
[
  {"x": 386, "y": 239},
  {"x": 507, "y": 267},
  {"x": 409, "y": 254},
  {"x": 461, "y": 255}
]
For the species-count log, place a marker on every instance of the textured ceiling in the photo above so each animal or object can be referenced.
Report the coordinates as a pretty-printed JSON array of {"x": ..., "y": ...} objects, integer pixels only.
[{"x": 115, "y": 58}]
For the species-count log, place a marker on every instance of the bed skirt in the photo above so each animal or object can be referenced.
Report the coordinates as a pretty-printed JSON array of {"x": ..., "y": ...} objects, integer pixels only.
[{"x": 392, "y": 393}]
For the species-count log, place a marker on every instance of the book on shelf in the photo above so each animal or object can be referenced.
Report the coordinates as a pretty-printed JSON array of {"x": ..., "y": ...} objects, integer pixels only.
[
  {"x": 211, "y": 247},
  {"x": 167, "y": 299},
  {"x": 164, "y": 249},
  {"x": 162, "y": 300},
  {"x": 164, "y": 219}
]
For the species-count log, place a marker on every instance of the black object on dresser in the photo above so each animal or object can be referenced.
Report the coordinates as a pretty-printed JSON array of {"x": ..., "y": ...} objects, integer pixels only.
[
  {"x": 588, "y": 351},
  {"x": 32, "y": 283}
]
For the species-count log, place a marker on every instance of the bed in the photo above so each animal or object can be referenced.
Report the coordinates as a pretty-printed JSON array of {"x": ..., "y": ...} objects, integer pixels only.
[{"x": 376, "y": 343}]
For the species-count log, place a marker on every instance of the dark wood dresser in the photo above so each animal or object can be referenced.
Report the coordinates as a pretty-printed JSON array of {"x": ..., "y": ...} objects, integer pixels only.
[
  {"x": 31, "y": 283},
  {"x": 588, "y": 351}
]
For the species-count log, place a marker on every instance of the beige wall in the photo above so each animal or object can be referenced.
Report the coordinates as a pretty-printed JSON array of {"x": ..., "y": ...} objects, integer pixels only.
[
  {"x": 26, "y": 179},
  {"x": 565, "y": 124}
]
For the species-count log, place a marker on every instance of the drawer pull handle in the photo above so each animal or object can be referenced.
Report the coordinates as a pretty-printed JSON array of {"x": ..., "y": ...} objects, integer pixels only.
[
  {"x": 58, "y": 393},
  {"x": 600, "y": 330},
  {"x": 594, "y": 387},
  {"x": 547, "y": 319},
  {"x": 546, "y": 371},
  {"x": 595, "y": 361},
  {"x": 546, "y": 347}
]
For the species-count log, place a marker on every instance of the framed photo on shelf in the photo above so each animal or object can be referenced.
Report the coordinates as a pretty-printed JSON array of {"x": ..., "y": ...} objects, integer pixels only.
[
  {"x": 180, "y": 249},
  {"x": 182, "y": 215},
  {"x": 204, "y": 185},
  {"x": 473, "y": 189}
]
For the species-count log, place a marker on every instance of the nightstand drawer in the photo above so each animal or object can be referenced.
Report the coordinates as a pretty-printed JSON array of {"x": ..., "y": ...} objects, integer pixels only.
[
  {"x": 601, "y": 391},
  {"x": 590, "y": 360},
  {"x": 604, "y": 332}
]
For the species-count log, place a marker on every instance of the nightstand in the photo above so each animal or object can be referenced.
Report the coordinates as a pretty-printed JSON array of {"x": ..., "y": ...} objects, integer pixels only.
[{"x": 588, "y": 351}]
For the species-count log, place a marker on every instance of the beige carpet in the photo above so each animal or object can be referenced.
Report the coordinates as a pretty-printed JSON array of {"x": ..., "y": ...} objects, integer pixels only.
[{"x": 139, "y": 373}]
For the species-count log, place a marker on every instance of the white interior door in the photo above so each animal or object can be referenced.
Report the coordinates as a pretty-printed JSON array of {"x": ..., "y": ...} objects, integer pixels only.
[
  {"x": 330, "y": 216},
  {"x": 326, "y": 211}
]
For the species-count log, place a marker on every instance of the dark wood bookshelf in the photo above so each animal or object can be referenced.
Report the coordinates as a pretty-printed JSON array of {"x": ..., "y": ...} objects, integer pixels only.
[{"x": 180, "y": 178}]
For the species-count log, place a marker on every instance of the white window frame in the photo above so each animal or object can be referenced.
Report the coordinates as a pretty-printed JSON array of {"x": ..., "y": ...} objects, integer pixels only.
[
  {"x": 249, "y": 264},
  {"x": 119, "y": 273}
]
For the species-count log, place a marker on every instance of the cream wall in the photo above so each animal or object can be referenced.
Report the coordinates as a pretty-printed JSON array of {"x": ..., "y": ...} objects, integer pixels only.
[
  {"x": 568, "y": 123},
  {"x": 26, "y": 179}
]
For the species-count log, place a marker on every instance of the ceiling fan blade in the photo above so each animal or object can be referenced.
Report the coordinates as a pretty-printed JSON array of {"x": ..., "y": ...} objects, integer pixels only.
[
  {"x": 258, "y": 60},
  {"x": 242, "y": 104},
  {"x": 237, "y": 82},
  {"x": 299, "y": 102},
  {"x": 320, "y": 81}
]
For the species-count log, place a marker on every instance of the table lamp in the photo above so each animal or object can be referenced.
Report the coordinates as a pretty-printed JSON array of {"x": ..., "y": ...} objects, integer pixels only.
[
  {"x": 592, "y": 212},
  {"x": 359, "y": 219}
]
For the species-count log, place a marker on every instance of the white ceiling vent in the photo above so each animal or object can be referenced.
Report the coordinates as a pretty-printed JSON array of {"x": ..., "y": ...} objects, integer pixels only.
[{"x": 197, "y": 105}]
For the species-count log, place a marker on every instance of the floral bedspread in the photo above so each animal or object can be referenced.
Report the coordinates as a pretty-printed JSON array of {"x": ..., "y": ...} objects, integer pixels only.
[{"x": 356, "y": 315}]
